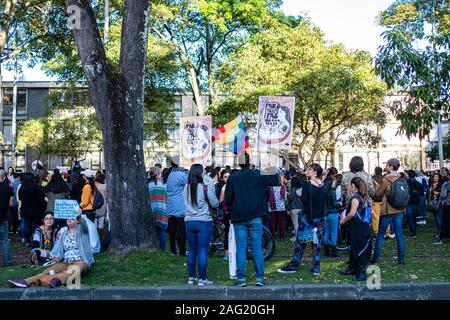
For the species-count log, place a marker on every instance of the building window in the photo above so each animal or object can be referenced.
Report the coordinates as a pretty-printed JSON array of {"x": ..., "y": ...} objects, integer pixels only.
[
  {"x": 178, "y": 104},
  {"x": 8, "y": 98},
  {"x": 7, "y": 134}
]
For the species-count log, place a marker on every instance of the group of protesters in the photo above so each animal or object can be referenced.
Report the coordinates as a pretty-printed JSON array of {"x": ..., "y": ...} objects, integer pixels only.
[
  {"x": 333, "y": 212},
  {"x": 28, "y": 204}
]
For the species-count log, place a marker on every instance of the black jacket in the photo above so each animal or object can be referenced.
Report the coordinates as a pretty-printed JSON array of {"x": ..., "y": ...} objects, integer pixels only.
[
  {"x": 247, "y": 194},
  {"x": 33, "y": 203},
  {"x": 315, "y": 199}
]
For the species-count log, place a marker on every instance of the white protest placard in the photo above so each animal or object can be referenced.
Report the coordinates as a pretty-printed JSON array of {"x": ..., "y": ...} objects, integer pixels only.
[
  {"x": 195, "y": 141},
  {"x": 275, "y": 121},
  {"x": 66, "y": 209}
]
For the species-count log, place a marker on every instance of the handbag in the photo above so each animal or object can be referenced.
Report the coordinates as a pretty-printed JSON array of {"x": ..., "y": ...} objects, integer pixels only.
[{"x": 434, "y": 205}]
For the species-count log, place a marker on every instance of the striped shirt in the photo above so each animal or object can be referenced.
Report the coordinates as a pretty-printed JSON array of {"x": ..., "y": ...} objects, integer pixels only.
[{"x": 158, "y": 203}]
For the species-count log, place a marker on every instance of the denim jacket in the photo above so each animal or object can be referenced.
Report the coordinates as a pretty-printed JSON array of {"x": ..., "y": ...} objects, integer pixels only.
[{"x": 82, "y": 240}]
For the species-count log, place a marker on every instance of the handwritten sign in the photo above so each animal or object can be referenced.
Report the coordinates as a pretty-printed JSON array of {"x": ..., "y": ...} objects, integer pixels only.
[{"x": 66, "y": 209}]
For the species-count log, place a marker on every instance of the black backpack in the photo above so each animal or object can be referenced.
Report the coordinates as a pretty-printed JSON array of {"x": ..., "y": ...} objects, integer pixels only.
[
  {"x": 398, "y": 194},
  {"x": 98, "y": 200},
  {"x": 414, "y": 193}
]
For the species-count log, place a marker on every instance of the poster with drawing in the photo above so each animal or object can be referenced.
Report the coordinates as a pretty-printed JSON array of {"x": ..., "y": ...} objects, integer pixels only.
[
  {"x": 195, "y": 141},
  {"x": 275, "y": 121}
]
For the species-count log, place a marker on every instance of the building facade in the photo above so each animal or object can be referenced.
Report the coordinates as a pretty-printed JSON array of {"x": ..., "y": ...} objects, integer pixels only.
[{"x": 33, "y": 102}]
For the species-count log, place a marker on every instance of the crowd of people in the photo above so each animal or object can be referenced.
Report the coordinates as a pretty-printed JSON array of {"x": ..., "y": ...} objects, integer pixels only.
[
  {"x": 27, "y": 207},
  {"x": 333, "y": 212}
]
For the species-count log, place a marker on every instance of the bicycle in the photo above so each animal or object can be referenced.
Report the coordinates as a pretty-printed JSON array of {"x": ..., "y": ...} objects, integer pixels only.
[{"x": 218, "y": 237}]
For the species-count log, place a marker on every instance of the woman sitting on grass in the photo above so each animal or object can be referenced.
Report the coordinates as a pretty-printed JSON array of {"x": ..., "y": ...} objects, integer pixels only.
[
  {"x": 72, "y": 255},
  {"x": 43, "y": 240}
]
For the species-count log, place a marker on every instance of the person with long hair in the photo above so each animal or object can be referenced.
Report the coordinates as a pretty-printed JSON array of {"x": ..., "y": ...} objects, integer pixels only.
[
  {"x": 199, "y": 199},
  {"x": 331, "y": 214},
  {"x": 88, "y": 195},
  {"x": 158, "y": 204},
  {"x": 360, "y": 238},
  {"x": 311, "y": 222},
  {"x": 57, "y": 188},
  {"x": 436, "y": 183},
  {"x": 277, "y": 208}
]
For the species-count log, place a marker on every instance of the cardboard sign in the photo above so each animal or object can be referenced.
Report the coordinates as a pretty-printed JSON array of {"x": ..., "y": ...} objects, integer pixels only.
[
  {"x": 195, "y": 141},
  {"x": 276, "y": 118},
  {"x": 66, "y": 209}
]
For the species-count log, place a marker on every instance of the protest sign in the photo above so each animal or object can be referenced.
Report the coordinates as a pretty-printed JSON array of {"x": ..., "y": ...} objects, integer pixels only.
[
  {"x": 275, "y": 122},
  {"x": 66, "y": 209},
  {"x": 195, "y": 141}
]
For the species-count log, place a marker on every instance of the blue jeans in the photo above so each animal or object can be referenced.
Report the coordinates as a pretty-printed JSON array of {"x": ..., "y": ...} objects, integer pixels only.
[
  {"x": 438, "y": 219},
  {"x": 423, "y": 212},
  {"x": 243, "y": 230},
  {"x": 198, "y": 236},
  {"x": 331, "y": 229},
  {"x": 161, "y": 233},
  {"x": 412, "y": 211},
  {"x": 397, "y": 221},
  {"x": 5, "y": 243}
]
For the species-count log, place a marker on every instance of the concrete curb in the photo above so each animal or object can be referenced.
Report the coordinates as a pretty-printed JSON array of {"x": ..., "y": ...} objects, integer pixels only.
[{"x": 408, "y": 291}]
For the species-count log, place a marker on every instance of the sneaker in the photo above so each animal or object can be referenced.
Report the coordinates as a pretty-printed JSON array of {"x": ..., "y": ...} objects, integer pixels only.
[
  {"x": 290, "y": 268},
  {"x": 437, "y": 241},
  {"x": 293, "y": 239},
  {"x": 421, "y": 222},
  {"x": 225, "y": 258},
  {"x": 260, "y": 283},
  {"x": 233, "y": 277},
  {"x": 205, "y": 282},
  {"x": 192, "y": 280},
  {"x": 18, "y": 283},
  {"x": 414, "y": 237},
  {"x": 241, "y": 283},
  {"x": 55, "y": 282},
  {"x": 343, "y": 248},
  {"x": 359, "y": 277}
]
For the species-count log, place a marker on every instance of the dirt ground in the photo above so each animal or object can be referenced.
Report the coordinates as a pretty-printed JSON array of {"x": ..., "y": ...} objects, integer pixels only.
[{"x": 20, "y": 253}]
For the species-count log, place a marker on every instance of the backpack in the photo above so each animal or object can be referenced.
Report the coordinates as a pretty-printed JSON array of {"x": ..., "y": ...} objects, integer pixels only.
[
  {"x": 414, "y": 194},
  {"x": 398, "y": 194},
  {"x": 366, "y": 215},
  {"x": 98, "y": 200}
]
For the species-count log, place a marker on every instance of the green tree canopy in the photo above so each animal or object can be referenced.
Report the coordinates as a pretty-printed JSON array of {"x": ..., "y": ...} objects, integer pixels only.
[
  {"x": 335, "y": 89},
  {"x": 417, "y": 62}
]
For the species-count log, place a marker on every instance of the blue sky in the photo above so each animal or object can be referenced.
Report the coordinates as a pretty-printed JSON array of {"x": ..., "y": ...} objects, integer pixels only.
[{"x": 351, "y": 22}]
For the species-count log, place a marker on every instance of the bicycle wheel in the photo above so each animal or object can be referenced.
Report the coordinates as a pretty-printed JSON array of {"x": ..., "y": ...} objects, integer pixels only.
[
  {"x": 216, "y": 242},
  {"x": 268, "y": 244}
]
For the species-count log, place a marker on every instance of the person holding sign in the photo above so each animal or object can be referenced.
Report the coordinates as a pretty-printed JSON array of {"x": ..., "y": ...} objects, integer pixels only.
[{"x": 72, "y": 255}]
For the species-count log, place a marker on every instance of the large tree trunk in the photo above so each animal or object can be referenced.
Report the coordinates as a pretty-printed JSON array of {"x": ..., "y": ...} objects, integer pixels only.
[{"x": 118, "y": 100}]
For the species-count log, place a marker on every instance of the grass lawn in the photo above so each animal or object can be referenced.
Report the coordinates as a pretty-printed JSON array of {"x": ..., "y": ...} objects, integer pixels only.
[{"x": 424, "y": 263}]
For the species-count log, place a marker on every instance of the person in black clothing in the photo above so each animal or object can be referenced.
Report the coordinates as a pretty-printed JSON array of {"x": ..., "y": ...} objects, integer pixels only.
[
  {"x": 6, "y": 201},
  {"x": 246, "y": 196},
  {"x": 360, "y": 238},
  {"x": 413, "y": 208},
  {"x": 444, "y": 174},
  {"x": 311, "y": 222},
  {"x": 77, "y": 187},
  {"x": 331, "y": 214},
  {"x": 32, "y": 196}
]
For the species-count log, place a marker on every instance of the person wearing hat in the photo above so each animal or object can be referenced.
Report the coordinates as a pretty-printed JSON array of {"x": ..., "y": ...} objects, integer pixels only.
[
  {"x": 389, "y": 213},
  {"x": 88, "y": 194}
]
